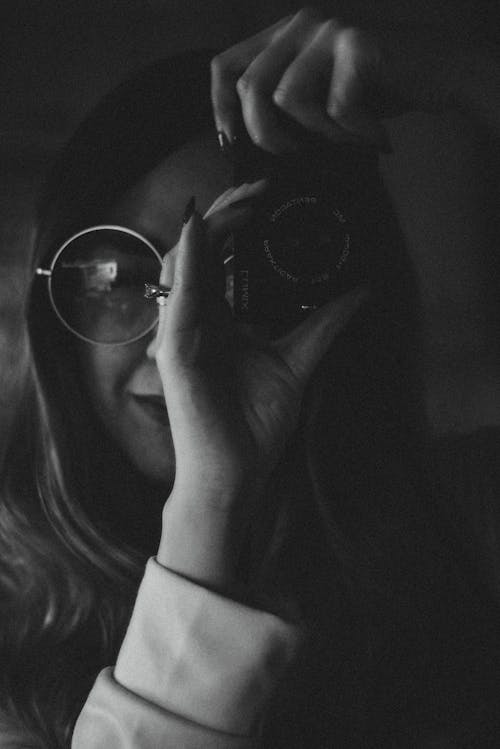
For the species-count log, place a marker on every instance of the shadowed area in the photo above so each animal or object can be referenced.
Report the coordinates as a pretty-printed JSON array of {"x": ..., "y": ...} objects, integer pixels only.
[{"x": 60, "y": 58}]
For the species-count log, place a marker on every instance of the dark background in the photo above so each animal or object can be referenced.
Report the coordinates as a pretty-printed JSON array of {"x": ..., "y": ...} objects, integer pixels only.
[{"x": 59, "y": 57}]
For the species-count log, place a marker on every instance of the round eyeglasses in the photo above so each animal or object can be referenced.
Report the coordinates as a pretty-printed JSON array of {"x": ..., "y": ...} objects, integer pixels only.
[{"x": 96, "y": 284}]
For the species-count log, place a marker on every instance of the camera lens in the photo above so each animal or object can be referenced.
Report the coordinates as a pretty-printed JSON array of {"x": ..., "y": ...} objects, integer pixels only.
[
  {"x": 303, "y": 245},
  {"x": 307, "y": 240}
]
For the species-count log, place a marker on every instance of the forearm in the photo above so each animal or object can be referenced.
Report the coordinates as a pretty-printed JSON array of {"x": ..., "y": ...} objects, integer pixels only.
[{"x": 201, "y": 536}]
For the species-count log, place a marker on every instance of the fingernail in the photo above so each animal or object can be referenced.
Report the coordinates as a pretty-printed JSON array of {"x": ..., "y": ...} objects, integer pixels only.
[
  {"x": 227, "y": 144},
  {"x": 189, "y": 210},
  {"x": 223, "y": 141}
]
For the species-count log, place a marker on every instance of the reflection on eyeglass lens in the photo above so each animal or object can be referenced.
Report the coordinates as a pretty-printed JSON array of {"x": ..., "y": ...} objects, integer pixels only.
[{"x": 98, "y": 286}]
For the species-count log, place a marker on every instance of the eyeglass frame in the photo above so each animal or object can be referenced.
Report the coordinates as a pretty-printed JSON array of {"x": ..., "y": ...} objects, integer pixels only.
[{"x": 47, "y": 272}]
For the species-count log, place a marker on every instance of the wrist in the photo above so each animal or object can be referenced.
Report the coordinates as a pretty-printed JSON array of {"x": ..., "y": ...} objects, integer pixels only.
[{"x": 202, "y": 533}]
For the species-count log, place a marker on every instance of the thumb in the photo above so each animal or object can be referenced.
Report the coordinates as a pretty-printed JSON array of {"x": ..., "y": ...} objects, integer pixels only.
[{"x": 304, "y": 347}]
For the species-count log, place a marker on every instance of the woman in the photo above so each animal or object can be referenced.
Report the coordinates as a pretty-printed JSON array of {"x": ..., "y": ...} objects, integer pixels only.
[{"x": 244, "y": 531}]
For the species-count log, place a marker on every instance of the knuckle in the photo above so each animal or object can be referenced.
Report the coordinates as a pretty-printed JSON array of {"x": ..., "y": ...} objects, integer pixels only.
[
  {"x": 282, "y": 97},
  {"x": 287, "y": 100},
  {"x": 222, "y": 71},
  {"x": 244, "y": 85},
  {"x": 219, "y": 65},
  {"x": 216, "y": 66},
  {"x": 352, "y": 40}
]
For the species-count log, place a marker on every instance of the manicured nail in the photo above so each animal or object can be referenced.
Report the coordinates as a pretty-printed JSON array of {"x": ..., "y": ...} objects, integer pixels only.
[
  {"x": 190, "y": 209},
  {"x": 223, "y": 141}
]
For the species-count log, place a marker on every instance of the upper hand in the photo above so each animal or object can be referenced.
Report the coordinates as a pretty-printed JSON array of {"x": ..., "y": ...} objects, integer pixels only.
[
  {"x": 233, "y": 398},
  {"x": 330, "y": 79},
  {"x": 233, "y": 401}
]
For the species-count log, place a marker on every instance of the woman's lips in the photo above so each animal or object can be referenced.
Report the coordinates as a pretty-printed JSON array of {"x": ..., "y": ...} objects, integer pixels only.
[{"x": 154, "y": 406}]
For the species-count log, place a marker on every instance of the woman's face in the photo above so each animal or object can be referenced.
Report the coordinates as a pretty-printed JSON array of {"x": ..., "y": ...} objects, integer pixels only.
[{"x": 123, "y": 382}]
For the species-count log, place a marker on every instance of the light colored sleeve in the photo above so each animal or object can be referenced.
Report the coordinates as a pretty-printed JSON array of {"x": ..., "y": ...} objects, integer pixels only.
[{"x": 196, "y": 671}]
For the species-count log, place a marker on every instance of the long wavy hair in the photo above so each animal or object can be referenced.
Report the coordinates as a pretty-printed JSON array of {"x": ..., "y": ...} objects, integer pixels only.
[{"x": 74, "y": 541}]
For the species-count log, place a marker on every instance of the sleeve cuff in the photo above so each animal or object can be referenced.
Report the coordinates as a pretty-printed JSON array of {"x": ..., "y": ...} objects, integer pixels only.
[
  {"x": 115, "y": 718},
  {"x": 204, "y": 657}
]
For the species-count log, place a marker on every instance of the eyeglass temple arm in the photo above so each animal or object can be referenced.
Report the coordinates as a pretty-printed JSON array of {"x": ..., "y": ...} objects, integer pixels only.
[{"x": 48, "y": 272}]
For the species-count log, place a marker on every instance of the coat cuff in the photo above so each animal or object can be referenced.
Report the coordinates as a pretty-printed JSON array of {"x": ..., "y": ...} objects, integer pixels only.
[
  {"x": 202, "y": 656},
  {"x": 115, "y": 718}
]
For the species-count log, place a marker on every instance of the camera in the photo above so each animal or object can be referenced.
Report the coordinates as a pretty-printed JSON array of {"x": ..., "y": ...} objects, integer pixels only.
[{"x": 309, "y": 238}]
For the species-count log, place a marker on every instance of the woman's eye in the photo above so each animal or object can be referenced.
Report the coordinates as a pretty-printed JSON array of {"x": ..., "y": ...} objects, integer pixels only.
[
  {"x": 119, "y": 299},
  {"x": 116, "y": 298}
]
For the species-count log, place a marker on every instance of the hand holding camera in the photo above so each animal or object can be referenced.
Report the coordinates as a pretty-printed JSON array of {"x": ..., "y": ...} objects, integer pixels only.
[
  {"x": 301, "y": 104},
  {"x": 332, "y": 80},
  {"x": 233, "y": 402}
]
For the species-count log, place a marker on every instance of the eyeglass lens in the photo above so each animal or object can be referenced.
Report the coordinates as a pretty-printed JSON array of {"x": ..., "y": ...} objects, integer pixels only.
[{"x": 97, "y": 286}]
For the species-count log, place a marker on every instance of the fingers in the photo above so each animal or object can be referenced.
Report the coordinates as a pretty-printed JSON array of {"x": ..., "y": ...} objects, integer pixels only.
[
  {"x": 305, "y": 346},
  {"x": 195, "y": 272},
  {"x": 179, "y": 318},
  {"x": 235, "y": 195},
  {"x": 354, "y": 53},
  {"x": 258, "y": 83},
  {"x": 312, "y": 70},
  {"x": 301, "y": 93},
  {"x": 336, "y": 110},
  {"x": 231, "y": 210},
  {"x": 226, "y": 69}
]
